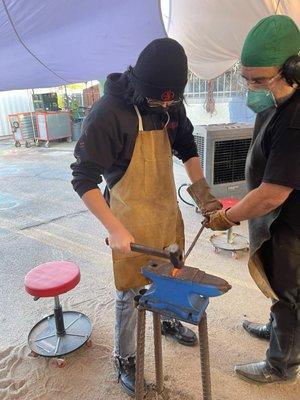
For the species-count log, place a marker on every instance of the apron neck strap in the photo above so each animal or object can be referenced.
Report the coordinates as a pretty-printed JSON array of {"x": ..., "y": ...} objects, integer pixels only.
[
  {"x": 168, "y": 120},
  {"x": 141, "y": 128}
]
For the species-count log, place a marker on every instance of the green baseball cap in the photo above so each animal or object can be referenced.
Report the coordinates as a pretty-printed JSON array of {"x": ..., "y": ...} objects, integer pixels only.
[{"x": 271, "y": 42}]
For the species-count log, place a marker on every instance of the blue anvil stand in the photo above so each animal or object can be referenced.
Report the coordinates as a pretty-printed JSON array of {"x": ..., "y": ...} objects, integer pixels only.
[{"x": 184, "y": 296}]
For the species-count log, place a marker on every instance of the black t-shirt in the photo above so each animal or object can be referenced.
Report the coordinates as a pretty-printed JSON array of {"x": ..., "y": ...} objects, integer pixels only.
[{"x": 281, "y": 147}]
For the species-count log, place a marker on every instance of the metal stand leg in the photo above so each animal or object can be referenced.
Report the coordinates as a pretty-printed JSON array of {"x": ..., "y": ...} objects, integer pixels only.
[
  {"x": 59, "y": 318},
  {"x": 140, "y": 354},
  {"x": 230, "y": 236},
  {"x": 158, "y": 353},
  {"x": 204, "y": 357}
]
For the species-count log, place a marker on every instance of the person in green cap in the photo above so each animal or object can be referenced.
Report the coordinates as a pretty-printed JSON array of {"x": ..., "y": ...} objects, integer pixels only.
[{"x": 271, "y": 69}]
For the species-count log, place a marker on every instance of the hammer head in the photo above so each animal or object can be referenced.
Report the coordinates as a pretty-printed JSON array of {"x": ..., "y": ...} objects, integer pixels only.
[{"x": 176, "y": 256}]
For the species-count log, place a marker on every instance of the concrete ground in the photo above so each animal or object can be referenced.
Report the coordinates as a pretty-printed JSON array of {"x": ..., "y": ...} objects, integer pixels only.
[{"x": 42, "y": 219}]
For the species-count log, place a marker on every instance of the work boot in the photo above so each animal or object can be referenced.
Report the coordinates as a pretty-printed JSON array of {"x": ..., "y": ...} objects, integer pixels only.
[
  {"x": 260, "y": 373},
  {"x": 261, "y": 331},
  {"x": 125, "y": 368},
  {"x": 179, "y": 332}
]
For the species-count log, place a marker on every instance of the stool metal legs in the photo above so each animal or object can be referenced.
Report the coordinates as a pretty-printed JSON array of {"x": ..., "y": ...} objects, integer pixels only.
[
  {"x": 140, "y": 355},
  {"x": 59, "y": 318},
  {"x": 60, "y": 333}
]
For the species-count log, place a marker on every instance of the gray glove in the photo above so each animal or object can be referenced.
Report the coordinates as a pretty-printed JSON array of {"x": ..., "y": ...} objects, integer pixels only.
[{"x": 200, "y": 193}]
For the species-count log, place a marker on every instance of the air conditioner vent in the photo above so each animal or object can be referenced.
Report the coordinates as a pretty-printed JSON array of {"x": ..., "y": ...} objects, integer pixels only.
[
  {"x": 200, "y": 147},
  {"x": 230, "y": 159}
]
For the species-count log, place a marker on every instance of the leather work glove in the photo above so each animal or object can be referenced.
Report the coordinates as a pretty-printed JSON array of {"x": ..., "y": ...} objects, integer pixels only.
[
  {"x": 200, "y": 193},
  {"x": 218, "y": 221}
]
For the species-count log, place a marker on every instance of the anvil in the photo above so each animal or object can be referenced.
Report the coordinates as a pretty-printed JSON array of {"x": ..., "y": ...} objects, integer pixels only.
[{"x": 180, "y": 293}]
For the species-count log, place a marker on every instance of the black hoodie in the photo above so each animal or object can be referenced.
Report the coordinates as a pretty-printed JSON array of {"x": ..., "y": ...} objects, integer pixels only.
[{"x": 109, "y": 132}]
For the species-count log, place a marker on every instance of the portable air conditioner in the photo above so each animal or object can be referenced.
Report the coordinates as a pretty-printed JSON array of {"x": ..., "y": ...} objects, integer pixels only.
[{"x": 223, "y": 150}]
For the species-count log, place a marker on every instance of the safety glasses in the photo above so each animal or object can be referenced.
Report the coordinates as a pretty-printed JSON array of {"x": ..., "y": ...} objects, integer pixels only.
[
  {"x": 152, "y": 103},
  {"x": 256, "y": 83}
]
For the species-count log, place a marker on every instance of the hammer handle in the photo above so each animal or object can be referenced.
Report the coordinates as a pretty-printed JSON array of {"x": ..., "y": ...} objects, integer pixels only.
[{"x": 151, "y": 251}]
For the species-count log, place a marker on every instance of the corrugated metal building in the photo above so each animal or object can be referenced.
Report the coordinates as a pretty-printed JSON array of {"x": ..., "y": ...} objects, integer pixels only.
[{"x": 13, "y": 102}]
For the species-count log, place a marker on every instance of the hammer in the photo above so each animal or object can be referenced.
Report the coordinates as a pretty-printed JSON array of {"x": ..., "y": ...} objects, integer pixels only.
[{"x": 172, "y": 252}]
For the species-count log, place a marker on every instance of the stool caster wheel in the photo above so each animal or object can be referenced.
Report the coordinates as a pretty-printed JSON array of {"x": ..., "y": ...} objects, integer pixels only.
[
  {"x": 216, "y": 250},
  {"x": 89, "y": 343},
  {"x": 59, "y": 362},
  {"x": 33, "y": 354},
  {"x": 234, "y": 255}
]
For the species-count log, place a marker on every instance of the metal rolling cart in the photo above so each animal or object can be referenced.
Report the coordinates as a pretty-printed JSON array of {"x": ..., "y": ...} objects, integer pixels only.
[
  {"x": 24, "y": 128},
  {"x": 53, "y": 125}
]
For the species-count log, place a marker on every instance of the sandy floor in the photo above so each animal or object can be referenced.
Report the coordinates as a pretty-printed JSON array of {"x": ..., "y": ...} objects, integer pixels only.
[{"x": 41, "y": 219}]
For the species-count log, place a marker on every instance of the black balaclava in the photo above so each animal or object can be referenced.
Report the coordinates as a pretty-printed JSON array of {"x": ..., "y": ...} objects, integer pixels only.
[{"x": 161, "y": 71}]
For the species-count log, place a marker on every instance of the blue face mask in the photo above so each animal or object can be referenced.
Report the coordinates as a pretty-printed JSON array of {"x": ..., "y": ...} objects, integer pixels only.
[{"x": 260, "y": 100}]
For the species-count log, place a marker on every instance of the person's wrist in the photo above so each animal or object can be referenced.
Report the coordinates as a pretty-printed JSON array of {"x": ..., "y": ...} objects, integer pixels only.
[
  {"x": 114, "y": 227},
  {"x": 228, "y": 214}
]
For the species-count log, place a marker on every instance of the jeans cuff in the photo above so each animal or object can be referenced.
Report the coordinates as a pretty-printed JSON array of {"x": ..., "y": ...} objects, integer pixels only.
[{"x": 124, "y": 357}]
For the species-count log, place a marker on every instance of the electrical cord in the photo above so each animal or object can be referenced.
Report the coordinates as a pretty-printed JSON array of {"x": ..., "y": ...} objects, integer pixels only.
[{"x": 180, "y": 195}]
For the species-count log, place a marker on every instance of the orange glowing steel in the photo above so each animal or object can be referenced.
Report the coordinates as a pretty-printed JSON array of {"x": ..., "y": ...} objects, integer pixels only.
[{"x": 175, "y": 272}]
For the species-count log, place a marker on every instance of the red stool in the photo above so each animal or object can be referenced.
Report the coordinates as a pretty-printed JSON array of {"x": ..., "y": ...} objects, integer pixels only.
[
  {"x": 229, "y": 241},
  {"x": 62, "y": 332}
]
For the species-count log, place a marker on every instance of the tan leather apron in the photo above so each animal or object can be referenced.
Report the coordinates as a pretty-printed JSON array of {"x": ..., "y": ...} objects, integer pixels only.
[
  {"x": 259, "y": 228},
  {"x": 145, "y": 201}
]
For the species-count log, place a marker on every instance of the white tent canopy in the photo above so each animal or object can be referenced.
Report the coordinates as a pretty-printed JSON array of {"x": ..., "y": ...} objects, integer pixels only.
[
  {"x": 213, "y": 31},
  {"x": 49, "y": 43}
]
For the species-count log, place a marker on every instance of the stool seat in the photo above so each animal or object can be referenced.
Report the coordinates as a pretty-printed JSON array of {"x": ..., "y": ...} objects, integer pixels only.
[
  {"x": 52, "y": 279},
  {"x": 228, "y": 202}
]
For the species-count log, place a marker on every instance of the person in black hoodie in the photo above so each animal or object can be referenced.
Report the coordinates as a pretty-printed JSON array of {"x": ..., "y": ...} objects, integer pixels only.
[{"x": 129, "y": 138}]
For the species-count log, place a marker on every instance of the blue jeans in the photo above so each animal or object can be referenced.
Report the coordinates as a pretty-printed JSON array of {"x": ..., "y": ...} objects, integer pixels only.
[{"x": 125, "y": 324}]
